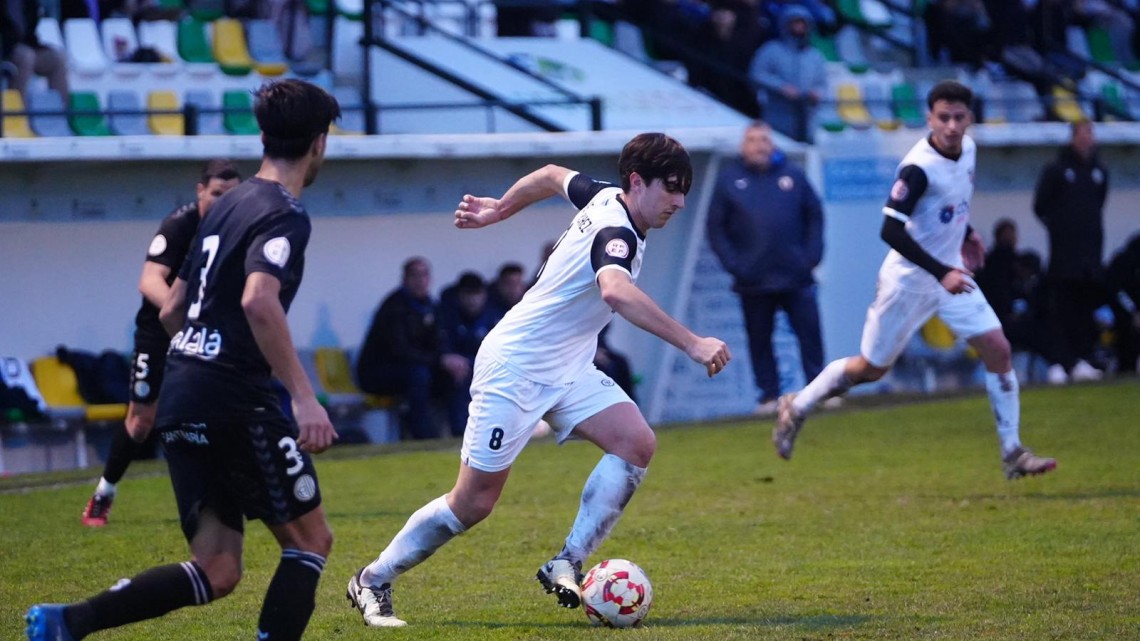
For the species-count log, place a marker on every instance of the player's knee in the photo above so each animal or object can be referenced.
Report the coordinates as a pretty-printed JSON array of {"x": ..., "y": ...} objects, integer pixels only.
[
  {"x": 637, "y": 448},
  {"x": 224, "y": 575}
]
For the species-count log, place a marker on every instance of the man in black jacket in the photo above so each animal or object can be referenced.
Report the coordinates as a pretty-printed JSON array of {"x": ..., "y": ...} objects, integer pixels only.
[
  {"x": 1069, "y": 200},
  {"x": 403, "y": 350}
]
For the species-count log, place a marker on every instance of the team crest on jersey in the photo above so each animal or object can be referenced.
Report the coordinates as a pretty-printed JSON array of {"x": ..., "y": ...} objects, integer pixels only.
[
  {"x": 305, "y": 488},
  {"x": 617, "y": 248},
  {"x": 899, "y": 191},
  {"x": 157, "y": 246},
  {"x": 1097, "y": 175},
  {"x": 142, "y": 388},
  {"x": 276, "y": 251},
  {"x": 785, "y": 183},
  {"x": 741, "y": 183}
]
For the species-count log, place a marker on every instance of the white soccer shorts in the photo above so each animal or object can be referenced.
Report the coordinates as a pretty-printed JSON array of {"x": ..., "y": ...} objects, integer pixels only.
[
  {"x": 505, "y": 407},
  {"x": 896, "y": 314}
]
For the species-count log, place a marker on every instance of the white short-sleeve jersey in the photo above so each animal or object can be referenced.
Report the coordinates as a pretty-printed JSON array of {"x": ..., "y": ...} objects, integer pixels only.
[
  {"x": 931, "y": 194},
  {"x": 551, "y": 335}
]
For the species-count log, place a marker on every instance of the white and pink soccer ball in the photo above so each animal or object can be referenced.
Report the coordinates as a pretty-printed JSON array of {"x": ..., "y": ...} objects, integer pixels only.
[{"x": 617, "y": 594}]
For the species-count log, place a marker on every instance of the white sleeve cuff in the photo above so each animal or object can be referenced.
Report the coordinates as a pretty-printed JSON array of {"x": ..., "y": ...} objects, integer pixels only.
[
  {"x": 899, "y": 216},
  {"x": 566, "y": 183}
]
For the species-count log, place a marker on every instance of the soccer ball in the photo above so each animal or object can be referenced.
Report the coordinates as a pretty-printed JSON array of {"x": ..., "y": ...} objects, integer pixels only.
[{"x": 617, "y": 594}]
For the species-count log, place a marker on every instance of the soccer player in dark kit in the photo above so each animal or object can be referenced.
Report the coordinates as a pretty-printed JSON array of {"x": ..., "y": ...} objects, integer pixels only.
[
  {"x": 232, "y": 453},
  {"x": 163, "y": 259}
]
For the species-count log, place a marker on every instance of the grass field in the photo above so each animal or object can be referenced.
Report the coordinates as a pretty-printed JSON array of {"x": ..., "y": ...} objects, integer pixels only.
[{"x": 891, "y": 522}]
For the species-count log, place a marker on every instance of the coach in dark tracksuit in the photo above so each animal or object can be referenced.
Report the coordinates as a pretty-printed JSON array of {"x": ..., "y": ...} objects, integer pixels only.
[
  {"x": 1069, "y": 200},
  {"x": 765, "y": 224}
]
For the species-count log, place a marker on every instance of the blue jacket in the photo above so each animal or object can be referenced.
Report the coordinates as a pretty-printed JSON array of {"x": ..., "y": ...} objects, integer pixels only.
[{"x": 766, "y": 227}]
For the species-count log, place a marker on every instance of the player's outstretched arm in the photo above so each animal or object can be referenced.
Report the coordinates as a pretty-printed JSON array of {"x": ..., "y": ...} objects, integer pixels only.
[
  {"x": 262, "y": 306},
  {"x": 474, "y": 212},
  {"x": 637, "y": 307}
]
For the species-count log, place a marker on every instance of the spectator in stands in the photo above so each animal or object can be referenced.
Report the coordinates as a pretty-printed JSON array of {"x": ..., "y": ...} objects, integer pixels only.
[
  {"x": 403, "y": 351},
  {"x": 1014, "y": 286},
  {"x": 20, "y": 46},
  {"x": 465, "y": 320},
  {"x": 792, "y": 76},
  {"x": 765, "y": 224},
  {"x": 771, "y": 16},
  {"x": 164, "y": 257},
  {"x": 1123, "y": 285},
  {"x": 957, "y": 31},
  {"x": 1069, "y": 200},
  {"x": 614, "y": 364},
  {"x": 729, "y": 37},
  {"x": 507, "y": 289},
  {"x": 514, "y": 18}
]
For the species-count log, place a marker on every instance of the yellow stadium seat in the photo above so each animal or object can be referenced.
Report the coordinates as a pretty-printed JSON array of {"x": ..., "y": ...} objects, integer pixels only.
[
  {"x": 230, "y": 48},
  {"x": 1066, "y": 106},
  {"x": 165, "y": 124},
  {"x": 60, "y": 389},
  {"x": 15, "y": 126},
  {"x": 851, "y": 108},
  {"x": 334, "y": 371}
]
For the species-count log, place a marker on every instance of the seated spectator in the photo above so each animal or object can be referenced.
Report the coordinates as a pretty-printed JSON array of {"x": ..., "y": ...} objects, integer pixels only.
[
  {"x": 731, "y": 36},
  {"x": 1014, "y": 286},
  {"x": 465, "y": 320},
  {"x": 507, "y": 289},
  {"x": 20, "y": 46},
  {"x": 614, "y": 364},
  {"x": 957, "y": 31},
  {"x": 1122, "y": 280},
  {"x": 403, "y": 351},
  {"x": 792, "y": 76}
]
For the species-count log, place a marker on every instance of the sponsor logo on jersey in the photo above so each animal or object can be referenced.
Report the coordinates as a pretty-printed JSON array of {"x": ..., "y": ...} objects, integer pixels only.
[
  {"x": 899, "y": 191},
  {"x": 305, "y": 488},
  {"x": 741, "y": 183},
  {"x": 786, "y": 183},
  {"x": 193, "y": 433},
  {"x": 583, "y": 222},
  {"x": 276, "y": 250},
  {"x": 157, "y": 246},
  {"x": 1097, "y": 175},
  {"x": 202, "y": 342},
  {"x": 950, "y": 212},
  {"x": 617, "y": 248}
]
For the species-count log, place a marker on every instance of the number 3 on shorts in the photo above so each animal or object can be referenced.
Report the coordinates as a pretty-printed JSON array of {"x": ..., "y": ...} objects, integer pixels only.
[{"x": 292, "y": 455}]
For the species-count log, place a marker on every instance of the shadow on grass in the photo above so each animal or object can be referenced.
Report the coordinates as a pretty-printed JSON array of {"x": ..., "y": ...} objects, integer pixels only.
[{"x": 815, "y": 622}]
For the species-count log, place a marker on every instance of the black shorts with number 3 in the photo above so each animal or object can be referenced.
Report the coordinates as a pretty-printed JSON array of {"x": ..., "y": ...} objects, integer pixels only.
[{"x": 248, "y": 469}]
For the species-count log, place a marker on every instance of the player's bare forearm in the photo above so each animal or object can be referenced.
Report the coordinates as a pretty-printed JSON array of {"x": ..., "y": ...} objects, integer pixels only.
[
  {"x": 474, "y": 212},
  {"x": 173, "y": 311},
  {"x": 152, "y": 283},
  {"x": 270, "y": 329},
  {"x": 637, "y": 307}
]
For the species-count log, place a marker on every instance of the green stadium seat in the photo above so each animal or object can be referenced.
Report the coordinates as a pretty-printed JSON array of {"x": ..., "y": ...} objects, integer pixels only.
[
  {"x": 238, "y": 117},
  {"x": 826, "y": 46},
  {"x": 193, "y": 45},
  {"x": 906, "y": 105},
  {"x": 87, "y": 124}
]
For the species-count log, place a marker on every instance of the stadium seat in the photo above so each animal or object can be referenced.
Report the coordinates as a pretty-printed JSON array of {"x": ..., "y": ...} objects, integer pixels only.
[
  {"x": 206, "y": 10},
  {"x": 1022, "y": 104},
  {"x": 15, "y": 126},
  {"x": 850, "y": 106},
  {"x": 353, "y": 9},
  {"x": 1065, "y": 105},
  {"x": 83, "y": 117},
  {"x": 126, "y": 124},
  {"x": 351, "y": 111},
  {"x": 209, "y": 122},
  {"x": 238, "y": 117},
  {"x": 906, "y": 106},
  {"x": 849, "y": 48},
  {"x": 85, "y": 55},
  {"x": 59, "y": 386},
  {"x": 1100, "y": 47},
  {"x": 347, "y": 56},
  {"x": 162, "y": 36},
  {"x": 826, "y": 46},
  {"x": 48, "y": 118},
  {"x": 49, "y": 33},
  {"x": 165, "y": 124},
  {"x": 265, "y": 48},
  {"x": 230, "y": 49},
  {"x": 193, "y": 45},
  {"x": 120, "y": 43},
  {"x": 878, "y": 101}
]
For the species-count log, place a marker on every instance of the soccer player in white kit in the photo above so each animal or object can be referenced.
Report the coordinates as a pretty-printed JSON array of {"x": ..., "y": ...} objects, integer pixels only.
[
  {"x": 538, "y": 363},
  {"x": 927, "y": 272}
]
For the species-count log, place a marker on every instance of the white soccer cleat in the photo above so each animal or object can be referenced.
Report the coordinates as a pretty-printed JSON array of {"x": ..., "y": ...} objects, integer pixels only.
[
  {"x": 788, "y": 425},
  {"x": 375, "y": 604},
  {"x": 564, "y": 579},
  {"x": 1082, "y": 372},
  {"x": 1056, "y": 375},
  {"x": 1023, "y": 462}
]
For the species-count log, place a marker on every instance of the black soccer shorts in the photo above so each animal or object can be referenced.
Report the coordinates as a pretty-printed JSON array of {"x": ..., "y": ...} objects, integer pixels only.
[{"x": 148, "y": 362}]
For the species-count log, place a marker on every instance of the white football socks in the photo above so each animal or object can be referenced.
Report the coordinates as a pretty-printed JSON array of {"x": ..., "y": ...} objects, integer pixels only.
[
  {"x": 104, "y": 488},
  {"x": 425, "y": 532},
  {"x": 832, "y": 381},
  {"x": 607, "y": 491},
  {"x": 1005, "y": 399}
]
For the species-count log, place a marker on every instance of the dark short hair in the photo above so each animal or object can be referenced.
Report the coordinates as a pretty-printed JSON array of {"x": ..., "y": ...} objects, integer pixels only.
[
  {"x": 220, "y": 168},
  {"x": 510, "y": 268},
  {"x": 412, "y": 262},
  {"x": 470, "y": 282},
  {"x": 292, "y": 113},
  {"x": 655, "y": 156},
  {"x": 950, "y": 91},
  {"x": 1003, "y": 224}
]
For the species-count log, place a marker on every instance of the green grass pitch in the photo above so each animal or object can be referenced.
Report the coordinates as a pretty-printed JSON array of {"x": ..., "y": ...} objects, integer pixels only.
[{"x": 891, "y": 522}]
